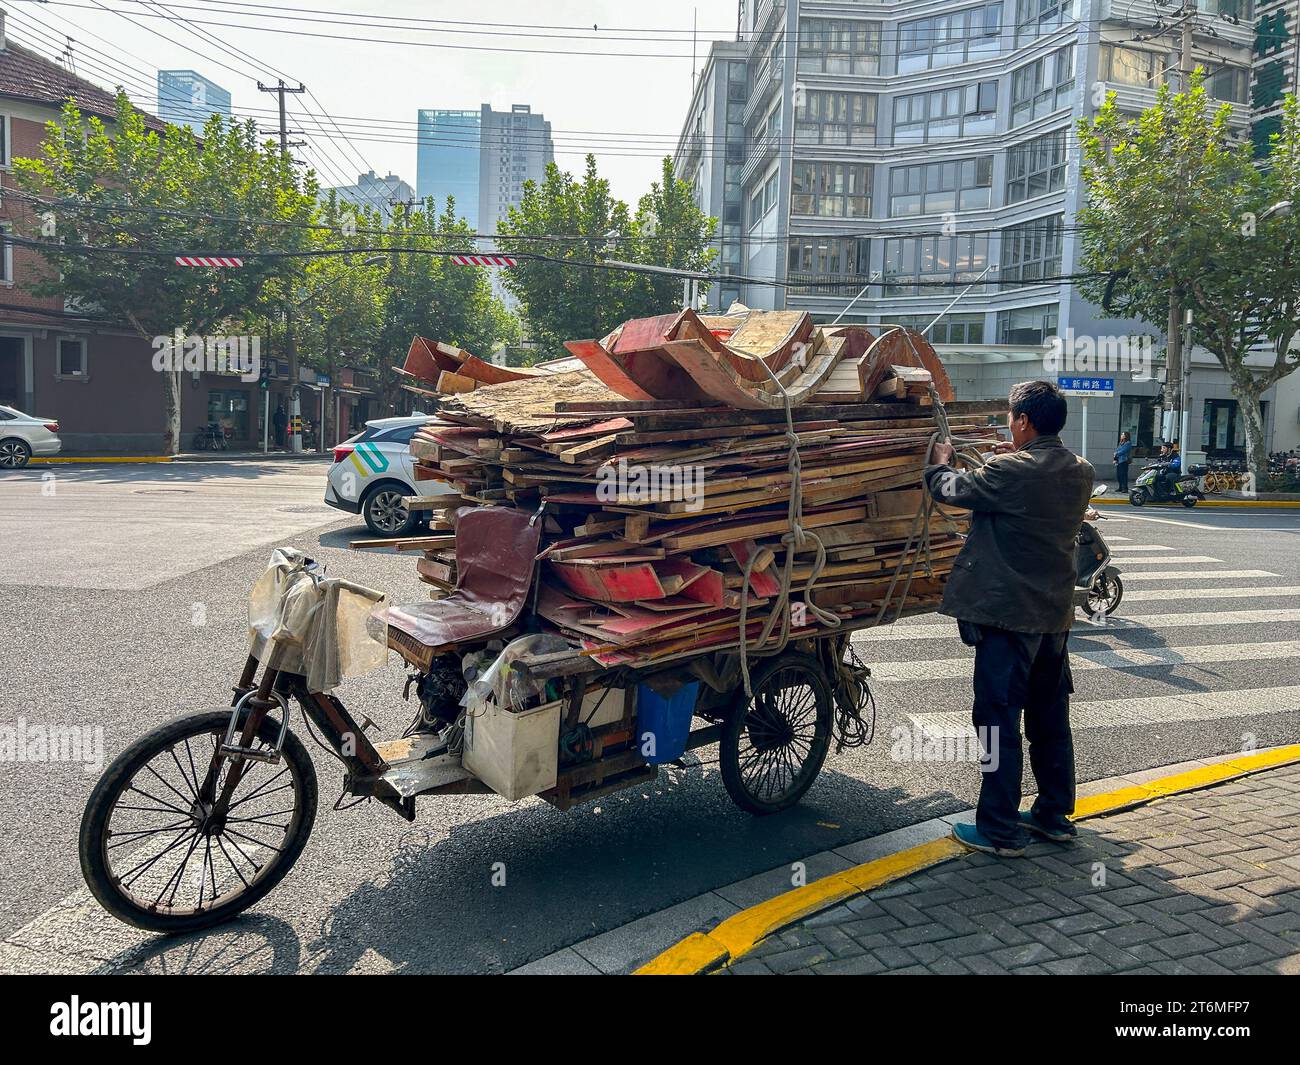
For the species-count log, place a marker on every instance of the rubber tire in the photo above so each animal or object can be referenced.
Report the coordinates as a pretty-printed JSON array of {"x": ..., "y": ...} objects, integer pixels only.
[
  {"x": 729, "y": 745},
  {"x": 1119, "y": 596},
  {"x": 1138, "y": 497},
  {"x": 412, "y": 517},
  {"x": 1189, "y": 501},
  {"x": 94, "y": 822},
  {"x": 24, "y": 449}
]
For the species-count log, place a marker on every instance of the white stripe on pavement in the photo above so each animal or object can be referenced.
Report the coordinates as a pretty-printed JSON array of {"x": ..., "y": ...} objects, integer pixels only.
[
  {"x": 1136, "y": 547},
  {"x": 948, "y": 629},
  {"x": 1165, "y": 560},
  {"x": 1267, "y": 591},
  {"x": 1120, "y": 658},
  {"x": 1193, "y": 574},
  {"x": 1155, "y": 709}
]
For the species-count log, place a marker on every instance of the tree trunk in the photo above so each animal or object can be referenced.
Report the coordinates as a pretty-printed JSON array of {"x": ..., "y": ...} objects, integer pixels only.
[
  {"x": 1247, "y": 397},
  {"x": 171, "y": 412}
]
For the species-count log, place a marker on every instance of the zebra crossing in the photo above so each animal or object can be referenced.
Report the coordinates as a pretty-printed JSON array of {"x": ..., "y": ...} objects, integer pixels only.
[{"x": 1161, "y": 659}]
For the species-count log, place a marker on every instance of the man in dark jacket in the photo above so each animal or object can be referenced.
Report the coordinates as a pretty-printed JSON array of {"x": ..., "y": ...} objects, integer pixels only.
[{"x": 1011, "y": 591}]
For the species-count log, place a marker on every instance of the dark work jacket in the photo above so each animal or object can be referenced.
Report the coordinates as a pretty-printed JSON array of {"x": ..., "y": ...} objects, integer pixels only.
[{"x": 1017, "y": 568}]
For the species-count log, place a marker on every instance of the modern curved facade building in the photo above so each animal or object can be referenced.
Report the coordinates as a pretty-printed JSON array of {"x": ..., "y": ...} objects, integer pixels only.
[{"x": 870, "y": 160}]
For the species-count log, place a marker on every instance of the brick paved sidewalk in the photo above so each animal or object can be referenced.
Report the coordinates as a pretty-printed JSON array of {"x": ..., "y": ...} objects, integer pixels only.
[{"x": 1204, "y": 882}]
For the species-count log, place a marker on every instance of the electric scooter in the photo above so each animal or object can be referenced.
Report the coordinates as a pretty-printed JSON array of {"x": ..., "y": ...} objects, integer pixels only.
[{"x": 1097, "y": 586}]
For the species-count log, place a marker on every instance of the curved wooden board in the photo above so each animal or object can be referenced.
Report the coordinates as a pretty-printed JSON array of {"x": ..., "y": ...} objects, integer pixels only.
[
  {"x": 608, "y": 369},
  {"x": 722, "y": 383},
  {"x": 489, "y": 373},
  {"x": 903, "y": 347},
  {"x": 771, "y": 336},
  {"x": 425, "y": 361}
]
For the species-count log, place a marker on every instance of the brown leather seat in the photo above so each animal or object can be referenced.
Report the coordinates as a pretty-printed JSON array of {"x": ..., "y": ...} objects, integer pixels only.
[{"x": 496, "y": 554}]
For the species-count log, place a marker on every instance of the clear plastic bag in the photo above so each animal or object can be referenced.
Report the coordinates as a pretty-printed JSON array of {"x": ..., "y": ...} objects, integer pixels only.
[
  {"x": 503, "y": 685},
  {"x": 323, "y": 628}
]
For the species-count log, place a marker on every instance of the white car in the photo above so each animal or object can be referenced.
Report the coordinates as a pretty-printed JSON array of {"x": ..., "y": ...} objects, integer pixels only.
[
  {"x": 22, "y": 436},
  {"x": 373, "y": 472}
]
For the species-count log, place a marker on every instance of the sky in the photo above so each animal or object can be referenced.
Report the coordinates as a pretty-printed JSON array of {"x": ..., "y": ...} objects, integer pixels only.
[{"x": 627, "y": 107}]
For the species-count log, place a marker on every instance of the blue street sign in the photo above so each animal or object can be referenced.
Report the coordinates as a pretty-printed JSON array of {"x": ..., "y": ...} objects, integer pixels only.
[{"x": 1086, "y": 386}]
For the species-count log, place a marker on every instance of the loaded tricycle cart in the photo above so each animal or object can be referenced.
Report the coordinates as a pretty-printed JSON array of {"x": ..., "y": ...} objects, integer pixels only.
[{"x": 585, "y": 629}]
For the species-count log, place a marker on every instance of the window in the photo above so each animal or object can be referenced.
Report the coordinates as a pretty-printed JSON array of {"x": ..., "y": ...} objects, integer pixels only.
[
  {"x": 1031, "y": 250},
  {"x": 1041, "y": 87},
  {"x": 934, "y": 188},
  {"x": 229, "y": 408},
  {"x": 815, "y": 259},
  {"x": 946, "y": 114},
  {"x": 832, "y": 190},
  {"x": 1036, "y": 167},
  {"x": 947, "y": 39},
  {"x": 839, "y": 46},
  {"x": 70, "y": 357},
  {"x": 4, "y": 140},
  {"x": 950, "y": 329},
  {"x": 1228, "y": 83},
  {"x": 1027, "y": 325},
  {"x": 6, "y": 255},
  {"x": 1130, "y": 66},
  {"x": 925, "y": 265},
  {"x": 763, "y": 199},
  {"x": 825, "y": 117},
  {"x": 1138, "y": 416},
  {"x": 1041, "y": 16}
]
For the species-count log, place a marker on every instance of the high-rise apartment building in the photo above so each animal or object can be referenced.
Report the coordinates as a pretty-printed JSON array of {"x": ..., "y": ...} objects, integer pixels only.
[
  {"x": 482, "y": 158},
  {"x": 186, "y": 98},
  {"x": 884, "y": 157},
  {"x": 447, "y": 160}
]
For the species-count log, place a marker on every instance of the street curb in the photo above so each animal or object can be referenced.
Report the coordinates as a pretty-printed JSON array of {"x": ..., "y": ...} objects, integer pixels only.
[
  {"x": 1263, "y": 504},
  {"x": 742, "y": 932},
  {"x": 100, "y": 459},
  {"x": 216, "y": 456}
]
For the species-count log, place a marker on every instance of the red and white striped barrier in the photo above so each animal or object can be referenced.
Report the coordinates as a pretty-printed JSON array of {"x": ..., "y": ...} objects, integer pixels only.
[
  {"x": 483, "y": 260},
  {"x": 207, "y": 260}
]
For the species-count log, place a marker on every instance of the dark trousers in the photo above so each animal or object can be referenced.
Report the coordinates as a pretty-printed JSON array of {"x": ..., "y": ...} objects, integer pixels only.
[
  {"x": 1022, "y": 673},
  {"x": 1121, "y": 471}
]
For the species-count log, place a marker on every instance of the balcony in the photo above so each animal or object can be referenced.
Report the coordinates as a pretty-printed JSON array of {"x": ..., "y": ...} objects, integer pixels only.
[
  {"x": 768, "y": 80},
  {"x": 760, "y": 154}
]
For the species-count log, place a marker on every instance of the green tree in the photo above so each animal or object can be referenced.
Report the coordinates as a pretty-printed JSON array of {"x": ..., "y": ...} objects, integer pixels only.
[
  {"x": 147, "y": 195},
  {"x": 1177, "y": 204},
  {"x": 576, "y": 222},
  {"x": 670, "y": 230}
]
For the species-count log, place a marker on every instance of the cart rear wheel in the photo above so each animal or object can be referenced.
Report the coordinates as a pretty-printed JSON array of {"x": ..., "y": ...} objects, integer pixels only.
[
  {"x": 773, "y": 745},
  {"x": 158, "y": 855}
]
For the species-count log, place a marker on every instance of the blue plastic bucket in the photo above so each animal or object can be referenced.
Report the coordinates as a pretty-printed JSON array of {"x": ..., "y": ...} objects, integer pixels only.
[{"x": 664, "y": 719}]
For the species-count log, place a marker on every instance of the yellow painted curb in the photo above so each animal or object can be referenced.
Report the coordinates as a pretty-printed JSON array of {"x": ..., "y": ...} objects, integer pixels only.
[
  {"x": 742, "y": 932},
  {"x": 106, "y": 458}
]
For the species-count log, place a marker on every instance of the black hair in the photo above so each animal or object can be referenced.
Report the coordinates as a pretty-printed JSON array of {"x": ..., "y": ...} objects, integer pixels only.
[{"x": 1042, "y": 403}]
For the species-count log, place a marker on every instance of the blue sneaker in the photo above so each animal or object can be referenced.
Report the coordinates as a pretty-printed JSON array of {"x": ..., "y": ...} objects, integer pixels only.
[
  {"x": 972, "y": 838},
  {"x": 1057, "y": 831}
]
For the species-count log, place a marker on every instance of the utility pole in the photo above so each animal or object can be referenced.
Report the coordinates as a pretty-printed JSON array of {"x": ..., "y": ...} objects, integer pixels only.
[
  {"x": 1174, "y": 405},
  {"x": 291, "y": 346}
]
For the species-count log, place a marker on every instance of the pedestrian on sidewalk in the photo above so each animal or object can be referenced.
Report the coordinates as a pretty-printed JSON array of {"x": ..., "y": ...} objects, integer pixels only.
[
  {"x": 1012, "y": 593},
  {"x": 280, "y": 420},
  {"x": 1123, "y": 456}
]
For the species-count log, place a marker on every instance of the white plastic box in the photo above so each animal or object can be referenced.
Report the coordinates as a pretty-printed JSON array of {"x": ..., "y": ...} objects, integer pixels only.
[{"x": 514, "y": 754}]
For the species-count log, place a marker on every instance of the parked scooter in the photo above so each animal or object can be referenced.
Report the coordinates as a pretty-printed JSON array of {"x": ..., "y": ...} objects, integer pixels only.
[
  {"x": 1160, "y": 483},
  {"x": 1097, "y": 585}
]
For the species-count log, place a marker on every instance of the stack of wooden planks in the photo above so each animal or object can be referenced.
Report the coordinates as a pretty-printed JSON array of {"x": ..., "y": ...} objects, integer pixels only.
[{"x": 654, "y": 506}]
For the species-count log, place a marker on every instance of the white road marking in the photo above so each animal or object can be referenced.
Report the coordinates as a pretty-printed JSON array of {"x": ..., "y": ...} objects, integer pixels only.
[
  {"x": 1194, "y": 574},
  {"x": 1268, "y": 591},
  {"x": 948, "y": 629},
  {"x": 1150, "y": 710},
  {"x": 1165, "y": 560},
  {"x": 1136, "y": 547},
  {"x": 1118, "y": 658}
]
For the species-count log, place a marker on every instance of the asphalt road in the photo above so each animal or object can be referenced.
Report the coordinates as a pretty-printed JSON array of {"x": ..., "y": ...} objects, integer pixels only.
[{"x": 122, "y": 604}]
